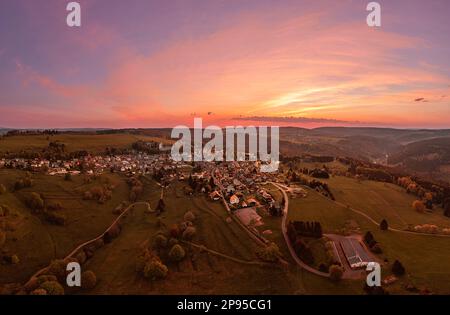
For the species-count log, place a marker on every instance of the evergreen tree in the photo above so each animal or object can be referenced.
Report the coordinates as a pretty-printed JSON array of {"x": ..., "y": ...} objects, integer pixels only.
[
  {"x": 384, "y": 225},
  {"x": 398, "y": 269}
]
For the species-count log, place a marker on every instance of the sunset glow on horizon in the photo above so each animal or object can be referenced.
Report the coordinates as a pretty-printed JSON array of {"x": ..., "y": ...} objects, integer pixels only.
[{"x": 145, "y": 64}]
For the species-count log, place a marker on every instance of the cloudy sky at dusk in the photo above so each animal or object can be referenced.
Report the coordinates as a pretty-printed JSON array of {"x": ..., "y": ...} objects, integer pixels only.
[{"x": 159, "y": 63}]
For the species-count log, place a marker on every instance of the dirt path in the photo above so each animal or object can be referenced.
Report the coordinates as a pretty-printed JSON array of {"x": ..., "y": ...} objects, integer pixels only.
[
  {"x": 241, "y": 261},
  {"x": 79, "y": 247},
  {"x": 286, "y": 238}
]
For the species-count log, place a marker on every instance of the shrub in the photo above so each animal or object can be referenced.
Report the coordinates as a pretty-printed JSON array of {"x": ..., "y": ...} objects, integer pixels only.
[
  {"x": 68, "y": 177},
  {"x": 112, "y": 233},
  {"x": 175, "y": 231},
  {"x": 336, "y": 272},
  {"x": 376, "y": 249},
  {"x": 54, "y": 206},
  {"x": 189, "y": 233},
  {"x": 369, "y": 239},
  {"x": 45, "y": 278},
  {"x": 384, "y": 225},
  {"x": 2, "y": 189},
  {"x": 155, "y": 269},
  {"x": 160, "y": 241},
  {"x": 15, "y": 259},
  {"x": 161, "y": 205},
  {"x": 323, "y": 267},
  {"x": 172, "y": 241},
  {"x": 35, "y": 202},
  {"x": 55, "y": 218},
  {"x": 81, "y": 257},
  {"x": 177, "y": 253},
  {"x": 270, "y": 253},
  {"x": 88, "y": 280},
  {"x": 189, "y": 216},
  {"x": 303, "y": 252},
  {"x": 58, "y": 269},
  {"x": 52, "y": 288},
  {"x": 398, "y": 269},
  {"x": 427, "y": 228},
  {"x": 419, "y": 206}
]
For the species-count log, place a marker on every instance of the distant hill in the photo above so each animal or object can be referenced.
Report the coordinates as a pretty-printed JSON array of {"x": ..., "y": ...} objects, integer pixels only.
[
  {"x": 423, "y": 156},
  {"x": 415, "y": 150}
]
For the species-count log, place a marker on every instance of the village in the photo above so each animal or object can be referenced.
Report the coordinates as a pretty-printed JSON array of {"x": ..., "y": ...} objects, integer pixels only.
[{"x": 239, "y": 183}]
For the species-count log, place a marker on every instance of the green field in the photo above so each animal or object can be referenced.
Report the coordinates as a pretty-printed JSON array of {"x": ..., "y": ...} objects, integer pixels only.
[
  {"x": 36, "y": 241},
  {"x": 383, "y": 201},
  {"x": 202, "y": 272},
  {"x": 74, "y": 142},
  {"x": 424, "y": 257}
]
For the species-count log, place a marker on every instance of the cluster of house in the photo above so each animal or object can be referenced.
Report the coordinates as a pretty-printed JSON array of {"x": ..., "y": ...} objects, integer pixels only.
[
  {"x": 241, "y": 184},
  {"x": 138, "y": 163}
]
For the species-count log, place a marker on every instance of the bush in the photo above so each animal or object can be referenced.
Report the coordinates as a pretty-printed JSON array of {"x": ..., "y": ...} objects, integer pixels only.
[
  {"x": 155, "y": 269},
  {"x": 177, "y": 253},
  {"x": 189, "y": 216},
  {"x": 15, "y": 259},
  {"x": 269, "y": 253},
  {"x": 336, "y": 272},
  {"x": 427, "y": 228},
  {"x": 52, "y": 288},
  {"x": 160, "y": 241},
  {"x": 303, "y": 252},
  {"x": 68, "y": 177},
  {"x": 81, "y": 257},
  {"x": 45, "y": 278},
  {"x": 398, "y": 269},
  {"x": 54, "y": 206},
  {"x": 369, "y": 239},
  {"x": 189, "y": 233},
  {"x": 175, "y": 231},
  {"x": 58, "y": 269},
  {"x": 112, "y": 233},
  {"x": 323, "y": 267},
  {"x": 35, "y": 202},
  {"x": 172, "y": 241},
  {"x": 419, "y": 206},
  {"x": 2, "y": 189},
  {"x": 376, "y": 249},
  {"x": 55, "y": 218},
  {"x": 384, "y": 225},
  {"x": 88, "y": 280}
]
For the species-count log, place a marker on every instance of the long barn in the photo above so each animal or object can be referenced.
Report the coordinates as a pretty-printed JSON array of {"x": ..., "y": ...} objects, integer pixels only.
[{"x": 355, "y": 253}]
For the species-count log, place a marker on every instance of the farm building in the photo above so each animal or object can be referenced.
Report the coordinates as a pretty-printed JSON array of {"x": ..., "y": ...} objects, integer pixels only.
[{"x": 355, "y": 253}]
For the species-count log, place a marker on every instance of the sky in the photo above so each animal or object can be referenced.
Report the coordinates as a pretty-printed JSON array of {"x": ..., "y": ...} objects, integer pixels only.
[{"x": 160, "y": 63}]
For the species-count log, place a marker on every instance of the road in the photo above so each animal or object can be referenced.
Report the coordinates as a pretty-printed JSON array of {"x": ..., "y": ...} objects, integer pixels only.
[{"x": 286, "y": 238}]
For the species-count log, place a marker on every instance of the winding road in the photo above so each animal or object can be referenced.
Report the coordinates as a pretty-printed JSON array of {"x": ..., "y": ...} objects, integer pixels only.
[{"x": 286, "y": 238}]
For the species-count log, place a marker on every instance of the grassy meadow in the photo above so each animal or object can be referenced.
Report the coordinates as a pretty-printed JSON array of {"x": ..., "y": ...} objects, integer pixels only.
[
  {"x": 36, "y": 241},
  {"x": 424, "y": 257},
  {"x": 94, "y": 143}
]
